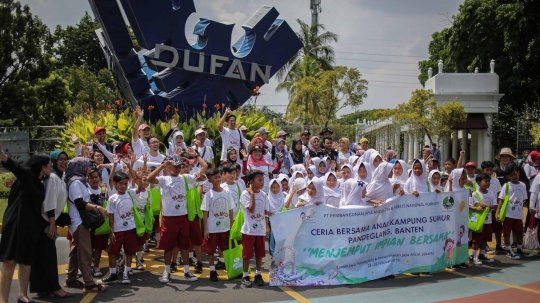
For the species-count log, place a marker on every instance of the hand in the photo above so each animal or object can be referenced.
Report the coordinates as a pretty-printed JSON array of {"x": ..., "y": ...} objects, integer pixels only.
[
  {"x": 173, "y": 124},
  {"x": 300, "y": 204},
  {"x": 318, "y": 203},
  {"x": 274, "y": 141},
  {"x": 401, "y": 192},
  {"x": 462, "y": 153},
  {"x": 124, "y": 168},
  {"x": 437, "y": 191},
  {"x": 74, "y": 138},
  {"x": 227, "y": 111},
  {"x": 94, "y": 138},
  {"x": 244, "y": 153},
  {"x": 358, "y": 152},
  {"x": 52, "y": 231},
  {"x": 294, "y": 190},
  {"x": 450, "y": 178},
  {"x": 85, "y": 152},
  {"x": 415, "y": 193},
  {"x": 268, "y": 213},
  {"x": 139, "y": 172},
  {"x": 103, "y": 211},
  {"x": 334, "y": 145},
  {"x": 145, "y": 158},
  {"x": 178, "y": 151},
  {"x": 207, "y": 234},
  {"x": 197, "y": 175},
  {"x": 533, "y": 211},
  {"x": 112, "y": 238},
  {"x": 267, "y": 231},
  {"x": 140, "y": 112},
  {"x": 116, "y": 159},
  {"x": 333, "y": 165},
  {"x": 192, "y": 152},
  {"x": 498, "y": 217},
  {"x": 250, "y": 191},
  {"x": 308, "y": 159}
]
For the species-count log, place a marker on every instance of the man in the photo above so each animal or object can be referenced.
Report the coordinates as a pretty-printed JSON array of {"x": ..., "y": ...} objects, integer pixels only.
[
  {"x": 521, "y": 162},
  {"x": 326, "y": 132},
  {"x": 230, "y": 136},
  {"x": 364, "y": 143},
  {"x": 304, "y": 136},
  {"x": 263, "y": 132},
  {"x": 328, "y": 150},
  {"x": 282, "y": 135},
  {"x": 101, "y": 135},
  {"x": 203, "y": 150},
  {"x": 208, "y": 141},
  {"x": 139, "y": 140},
  {"x": 436, "y": 152}
]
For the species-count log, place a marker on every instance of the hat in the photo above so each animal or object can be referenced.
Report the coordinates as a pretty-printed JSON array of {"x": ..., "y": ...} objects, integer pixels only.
[
  {"x": 98, "y": 129},
  {"x": 364, "y": 140},
  {"x": 470, "y": 164},
  {"x": 201, "y": 126},
  {"x": 243, "y": 128},
  {"x": 282, "y": 133},
  {"x": 326, "y": 129},
  {"x": 263, "y": 130},
  {"x": 437, "y": 160},
  {"x": 505, "y": 151},
  {"x": 176, "y": 159},
  {"x": 144, "y": 126},
  {"x": 256, "y": 147},
  {"x": 199, "y": 131},
  {"x": 305, "y": 132}
]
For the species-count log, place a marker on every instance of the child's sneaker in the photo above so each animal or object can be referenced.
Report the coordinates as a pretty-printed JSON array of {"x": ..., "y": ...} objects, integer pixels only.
[
  {"x": 125, "y": 279},
  {"x": 198, "y": 268},
  {"x": 139, "y": 265},
  {"x": 190, "y": 276},
  {"x": 499, "y": 248},
  {"x": 96, "y": 272},
  {"x": 130, "y": 272},
  {"x": 193, "y": 261},
  {"x": 259, "y": 280},
  {"x": 173, "y": 267},
  {"x": 109, "y": 279},
  {"x": 476, "y": 261},
  {"x": 214, "y": 276},
  {"x": 146, "y": 248},
  {"x": 220, "y": 265},
  {"x": 165, "y": 278},
  {"x": 513, "y": 256},
  {"x": 246, "y": 282},
  {"x": 463, "y": 266},
  {"x": 489, "y": 251},
  {"x": 484, "y": 258},
  {"x": 521, "y": 252}
]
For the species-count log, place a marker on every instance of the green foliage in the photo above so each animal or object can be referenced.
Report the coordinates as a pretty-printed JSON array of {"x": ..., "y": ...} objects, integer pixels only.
[
  {"x": 3, "y": 206},
  {"x": 369, "y": 115},
  {"x": 5, "y": 184}
]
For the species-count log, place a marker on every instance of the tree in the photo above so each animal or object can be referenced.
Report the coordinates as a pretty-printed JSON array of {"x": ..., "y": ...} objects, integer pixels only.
[
  {"x": 423, "y": 117},
  {"x": 369, "y": 115},
  {"x": 326, "y": 94},
  {"x": 506, "y": 31}
]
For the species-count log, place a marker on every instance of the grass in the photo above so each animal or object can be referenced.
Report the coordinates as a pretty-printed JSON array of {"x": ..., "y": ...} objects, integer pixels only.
[{"x": 3, "y": 205}]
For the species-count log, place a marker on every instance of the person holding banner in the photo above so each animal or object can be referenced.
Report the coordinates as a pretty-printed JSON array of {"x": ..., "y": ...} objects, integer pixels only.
[
  {"x": 314, "y": 194},
  {"x": 417, "y": 182},
  {"x": 456, "y": 182},
  {"x": 380, "y": 189},
  {"x": 482, "y": 198}
]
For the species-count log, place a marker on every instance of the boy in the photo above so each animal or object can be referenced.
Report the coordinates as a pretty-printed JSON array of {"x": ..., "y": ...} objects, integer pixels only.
[
  {"x": 255, "y": 206},
  {"x": 470, "y": 168},
  {"x": 175, "y": 225},
  {"x": 449, "y": 166},
  {"x": 495, "y": 187},
  {"x": 122, "y": 222},
  {"x": 217, "y": 207},
  {"x": 514, "y": 213},
  {"x": 481, "y": 199}
]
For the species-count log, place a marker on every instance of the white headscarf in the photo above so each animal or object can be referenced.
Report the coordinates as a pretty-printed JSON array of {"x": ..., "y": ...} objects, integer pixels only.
[
  {"x": 367, "y": 155},
  {"x": 352, "y": 193},
  {"x": 319, "y": 195},
  {"x": 313, "y": 169},
  {"x": 317, "y": 163},
  {"x": 335, "y": 188},
  {"x": 455, "y": 174},
  {"x": 298, "y": 167},
  {"x": 369, "y": 174},
  {"x": 299, "y": 184},
  {"x": 277, "y": 201},
  {"x": 372, "y": 157},
  {"x": 380, "y": 186},
  {"x": 173, "y": 145},
  {"x": 352, "y": 159},
  {"x": 417, "y": 183},
  {"x": 432, "y": 187},
  {"x": 280, "y": 179},
  {"x": 404, "y": 175}
]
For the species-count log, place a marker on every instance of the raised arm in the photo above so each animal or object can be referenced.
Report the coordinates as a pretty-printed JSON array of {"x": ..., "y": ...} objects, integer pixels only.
[
  {"x": 140, "y": 113},
  {"x": 222, "y": 120}
]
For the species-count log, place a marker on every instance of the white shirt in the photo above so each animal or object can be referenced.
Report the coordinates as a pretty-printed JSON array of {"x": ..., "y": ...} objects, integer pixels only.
[
  {"x": 141, "y": 200},
  {"x": 76, "y": 190},
  {"x": 121, "y": 206},
  {"x": 140, "y": 147},
  {"x": 518, "y": 194},
  {"x": 230, "y": 138},
  {"x": 235, "y": 191},
  {"x": 344, "y": 157},
  {"x": 218, "y": 204},
  {"x": 266, "y": 169},
  {"x": 495, "y": 185},
  {"x": 255, "y": 222},
  {"x": 173, "y": 194},
  {"x": 206, "y": 154},
  {"x": 156, "y": 159},
  {"x": 490, "y": 199}
]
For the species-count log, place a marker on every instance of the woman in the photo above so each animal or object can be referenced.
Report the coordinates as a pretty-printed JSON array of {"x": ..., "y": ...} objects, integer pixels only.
[
  {"x": 314, "y": 147},
  {"x": 257, "y": 161},
  {"x": 344, "y": 151},
  {"x": 296, "y": 152},
  {"x": 80, "y": 255},
  {"x": 389, "y": 155},
  {"x": 44, "y": 274},
  {"x": 22, "y": 223},
  {"x": 279, "y": 152}
]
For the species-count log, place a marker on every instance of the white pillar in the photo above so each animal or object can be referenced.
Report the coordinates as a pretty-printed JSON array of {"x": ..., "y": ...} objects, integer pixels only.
[
  {"x": 464, "y": 144},
  {"x": 488, "y": 145},
  {"x": 411, "y": 148},
  {"x": 474, "y": 146},
  {"x": 416, "y": 147},
  {"x": 405, "y": 147},
  {"x": 480, "y": 147},
  {"x": 455, "y": 145},
  {"x": 396, "y": 145}
]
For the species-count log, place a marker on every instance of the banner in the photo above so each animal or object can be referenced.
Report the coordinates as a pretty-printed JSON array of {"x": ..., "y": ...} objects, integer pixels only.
[{"x": 322, "y": 245}]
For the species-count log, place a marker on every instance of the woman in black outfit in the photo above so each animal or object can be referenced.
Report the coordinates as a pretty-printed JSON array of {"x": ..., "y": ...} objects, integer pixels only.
[{"x": 22, "y": 223}]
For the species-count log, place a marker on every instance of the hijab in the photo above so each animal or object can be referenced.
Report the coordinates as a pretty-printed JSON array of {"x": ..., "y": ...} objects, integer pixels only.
[
  {"x": 76, "y": 170},
  {"x": 352, "y": 193},
  {"x": 455, "y": 174},
  {"x": 277, "y": 201},
  {"x": 335, "y": 188},
  {"x": 417, "y": 183},
  {"x": 317, "y": 163},
  {"x": 286, "y": 160},
  {"x": 319, "y": 195},
  {"x": 389, "y": 155},
  {"x": 380, "y": 186},
  {"x": 314, "y": 147},
  {"x": 404, "y": 176},
  {"x": 432, "y": 187},
  {"x": 313, "y": 169},
  {"x": 353, "y": 159},
  {"x": 54, "y": 159},
  {"x": 258, "y": 162},
  {"x": 297, "y": 155},
  {"x": 350, "y": 168},
  {"x": 173, "y": 145},
  {"x": 367, "y": 155},
  {"x": 368, "y": 169},
  {"x": 299, "y": 184},
  {"x": 372, "y": 158},
  {"x": 346, "y": 145},
  {"x": 229, "y": 160}
]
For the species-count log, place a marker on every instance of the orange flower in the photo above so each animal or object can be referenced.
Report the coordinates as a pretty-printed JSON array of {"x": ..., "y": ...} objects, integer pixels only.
[
  {"x": 118, "y": 102},
  {"x": 168, "y": 106},
  {"x": 204, "y": 105},
  {"x": 216, "y": 106},
  {"x": 102, "y": 110},
  {"x": 150, "y": 107},
  {"x": 97, "y": 104},
  {"x": 176, "y": 110},
  {"x": 256, "y": 89},
  {"x": 109, "y": 106}
]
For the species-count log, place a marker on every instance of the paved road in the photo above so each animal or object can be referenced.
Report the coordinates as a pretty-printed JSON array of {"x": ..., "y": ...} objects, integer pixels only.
[{"x": 505, "y": 280}]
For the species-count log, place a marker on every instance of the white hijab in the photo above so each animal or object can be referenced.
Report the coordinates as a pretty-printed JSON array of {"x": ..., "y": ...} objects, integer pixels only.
[
  {"x": 173, "y": 145},
  {"x": 299, "y": 184},
  {"x": 432, "y": 187},
  {"x": 319, "y": 195},
  {"x": 417, "y": 183},
  {"x": 317, "y": 163},
  {"x": 404, "y": 175},
  {"x": 352, "y": 193},
  {"x": 335, "y": 188},
  {"x": 380, "y": 186},
  {"x": 369, "y": 174},
  {"x": 372, "y": 157},
  {"x": 455, "y": 174},
  {"x": 277, "y": 201}
]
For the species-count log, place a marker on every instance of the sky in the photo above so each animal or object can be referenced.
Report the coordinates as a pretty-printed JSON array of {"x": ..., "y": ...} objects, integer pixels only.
[{"x": 383, "y": 39}]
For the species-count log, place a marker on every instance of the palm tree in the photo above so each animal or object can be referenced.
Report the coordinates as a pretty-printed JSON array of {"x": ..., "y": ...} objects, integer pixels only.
[{"x": 316, "y": 47}]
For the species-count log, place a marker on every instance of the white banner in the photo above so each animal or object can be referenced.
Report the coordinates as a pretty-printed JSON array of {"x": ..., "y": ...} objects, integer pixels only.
[{"x": 322, "y": 245}]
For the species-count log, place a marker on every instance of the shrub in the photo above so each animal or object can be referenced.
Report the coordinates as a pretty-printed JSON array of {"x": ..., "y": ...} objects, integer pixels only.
[{"x": 6, "y": 180}]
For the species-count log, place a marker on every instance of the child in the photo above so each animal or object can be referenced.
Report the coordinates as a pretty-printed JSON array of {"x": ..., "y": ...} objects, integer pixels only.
[
  {"x": 175, "y": 224},
  {"x": 228, "y": 171},
  {"x": 255, "y": 206},
  {"x": 346, "y": 173},
  {"x": 97, "y": 196},
  {"x": 314, "y": 193},
  {"x": 481, "y": 199},
  {"x": 517, "y": 193},
  {"x": 122, "y": 222},
  {"x": 142, "y": 200},
  {"x": 434, "y": 182},
  {"x": 495, "y": 187},
  {"x": 456, "y": 181},
  {"x": 417, "y": 182},
  {"x": 284, "y": 181},
  {"x": 217, "y": 207},
  {"x": 363, "y": 173},
  {"x": 380, "y": 189},
  {"x": 276, "y": 204},
  {"x": 299, "y": 188},
  {"x": 399, "y": 177},
  {"x": 470, "y": 168},
  {"x": 311, "y": 172},
  {"x": 321, "y": 168},
  {"x": 449, "y": 166},
  {"x": 332, "y": 194},
  {"x": 353, "y": 193}
]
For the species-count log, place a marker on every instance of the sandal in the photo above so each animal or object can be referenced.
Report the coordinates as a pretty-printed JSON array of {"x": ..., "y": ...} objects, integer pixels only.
[
  {"x": 66, "y": 295},
  {"x": 74, "y": 284},
  {"x": 94, "y": 288}
]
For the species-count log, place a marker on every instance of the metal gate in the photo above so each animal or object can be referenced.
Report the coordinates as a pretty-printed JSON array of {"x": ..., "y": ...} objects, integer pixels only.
[{"x": 524, "y": 139}]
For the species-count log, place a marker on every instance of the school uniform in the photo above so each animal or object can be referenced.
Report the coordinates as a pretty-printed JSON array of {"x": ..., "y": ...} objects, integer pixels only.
[
  {"x": 217, "y": 204},
  {"x": 121, "y": 206},
  {"x": 254, "y": 227}
]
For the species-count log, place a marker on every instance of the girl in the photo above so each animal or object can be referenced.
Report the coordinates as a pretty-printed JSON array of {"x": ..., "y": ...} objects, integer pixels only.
[
  {"x": 344, "y": 152},
  {"x": 380, "y": 188},
  {"x": 279, "y": 152},
  {"x": 296, "y": 152},
  {"x": 257, "y": 162},
  {"x": 297, "y": 171},
  {"x": 346, "y": 174},
  {"x": 353, "y": 160},
  {"x": 177, "y": 140},
  {"x": 276, "y": 204},
  {"x": 363, "y": 173},
  {"x": 311, "y": 172},
  {"x": 353, "y": 193},
  {"x": 331, "y": 190},
  {"x": 456, "y": 180},
  {"x": 97, "y": 196},
  {"x": 417, "y": 181},
  {"x": 299, "y": 188},
  {"x": 314, "y": 194},
  {"x": 434, "y": 181},
  {"x": 321, "y": 168},
  {"x": 399, "y": 177},
  {"x": 374, "y": 160},
  {"x": 314, "y": 147},
  {"x": 284, "y": 181}
]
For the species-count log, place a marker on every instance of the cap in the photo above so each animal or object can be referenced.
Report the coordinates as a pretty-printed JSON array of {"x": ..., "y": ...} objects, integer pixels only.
[
  {"x": 176, "y": 159},
  {"x": 326, "y": 129},
  {"x": 201, "y": 126},
  {"x": 435, "y": 160},
  {"x": 364, "y": 140},
  {"x": 305, "y": 132},
  {"x": 144, "y": 126},
  {"x": 99, "y": 128},
  {"x": 282, "y": 133},
  {"x": 256, "y": 147},
  {"x": 243, "y": 128},
  {"x": 263, "y": 130},
  {"x": 470, "y": 164},
  {"x": 199, "y": 131}
]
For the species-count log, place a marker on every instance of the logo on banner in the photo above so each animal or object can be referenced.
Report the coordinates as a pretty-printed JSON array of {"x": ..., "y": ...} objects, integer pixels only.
[
  {"x": 308, "y": 217},
  {"x": 448, "y": 202}
]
